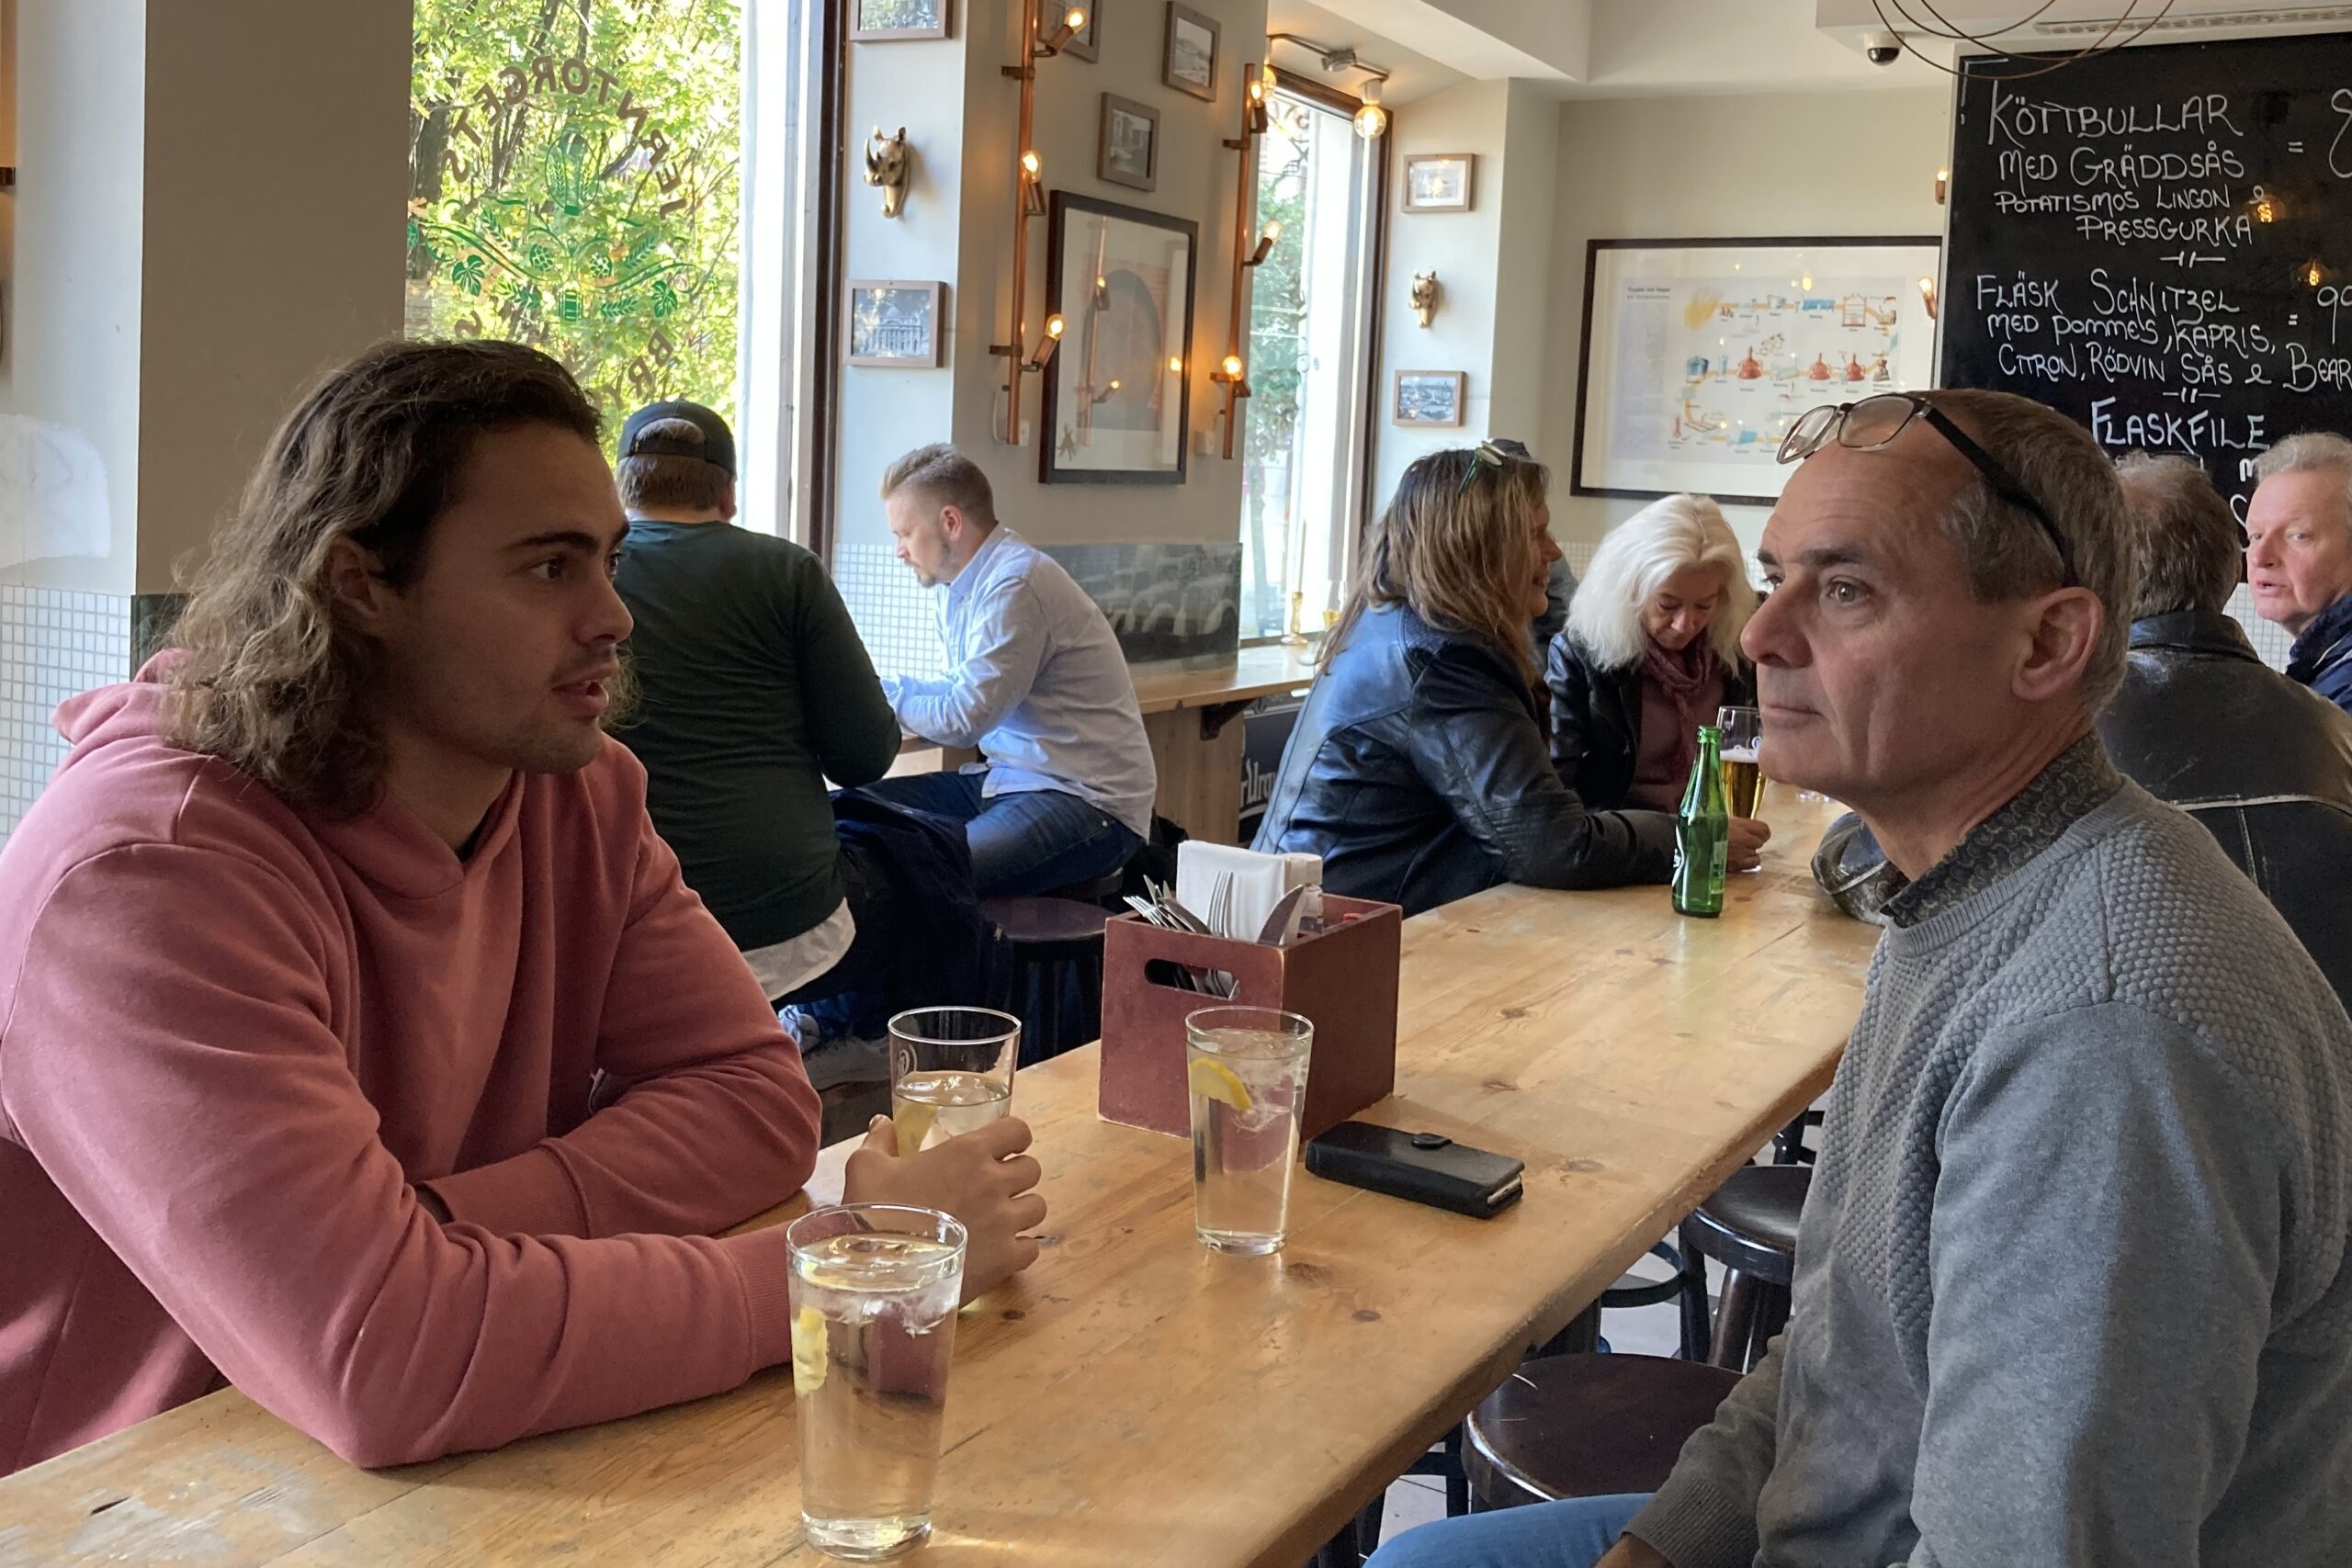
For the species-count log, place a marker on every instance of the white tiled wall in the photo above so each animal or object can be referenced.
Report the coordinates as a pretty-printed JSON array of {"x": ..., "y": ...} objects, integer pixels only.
[
  {"x": 2269, "y": 640},
  {"x": 893, "y": 612},
  {"x": 52, "y": 645}
]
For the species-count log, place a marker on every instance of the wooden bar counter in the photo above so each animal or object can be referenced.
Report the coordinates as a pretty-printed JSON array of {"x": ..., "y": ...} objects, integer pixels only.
[{"x": 1134, "y": 1400}]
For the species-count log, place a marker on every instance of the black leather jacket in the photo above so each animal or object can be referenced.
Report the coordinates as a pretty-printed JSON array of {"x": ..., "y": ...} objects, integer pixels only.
[
  {"x": 1416, "y": 771},
  {"x": 2266, "y": 765},
  {"x": 1597, "y": 719}
]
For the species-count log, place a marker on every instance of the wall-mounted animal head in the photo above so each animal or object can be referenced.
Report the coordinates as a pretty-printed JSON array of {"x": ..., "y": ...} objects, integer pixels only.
[
  {"x": 886, "y": 165},
  {"x": 1425, "y": 295}
]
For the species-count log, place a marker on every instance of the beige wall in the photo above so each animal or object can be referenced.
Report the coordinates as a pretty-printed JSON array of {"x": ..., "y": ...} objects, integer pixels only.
[
  {"x": 276, "y": 187},
  {"x": 1826, "y": 163},
  {"x": 1494, "y": 267},
  {"x": 960, "y": 113},
  {"x": 69, "y": 383},
  {"x": 208, "y": 213},
  {"x": 1460, "y": 247}
]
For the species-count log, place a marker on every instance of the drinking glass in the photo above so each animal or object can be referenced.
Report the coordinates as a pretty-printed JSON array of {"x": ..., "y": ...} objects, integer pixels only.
[
  {"x": 1247, "y": 1070},
  {"x": 873, "y": 1288},
  {"x": 1743, "y": 731},
  {"x": 951, "y": 1071}
]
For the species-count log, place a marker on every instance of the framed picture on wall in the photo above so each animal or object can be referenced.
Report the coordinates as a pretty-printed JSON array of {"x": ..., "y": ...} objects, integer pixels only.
[
  {"x": 1128, "y": 153},
  {"x": 1440, "y": 182},
  {"x": 893, "y": 323},
  {"x": 878, "y": 21},
  {"x": 1699, "y": 354},
  {"x": 1087, "y": 43},
  {"x": 1429, "y": 397},
  {"x": 1189, "y": 65},
  {"x": 1117, "y": 407}
]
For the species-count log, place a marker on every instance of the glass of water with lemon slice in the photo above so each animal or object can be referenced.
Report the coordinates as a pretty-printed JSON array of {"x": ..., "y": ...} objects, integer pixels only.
[
  {"x": 1247, "y": 1070},
  {"x": 873, "y": 1288},
  {"x": 951, "y": 1072}
]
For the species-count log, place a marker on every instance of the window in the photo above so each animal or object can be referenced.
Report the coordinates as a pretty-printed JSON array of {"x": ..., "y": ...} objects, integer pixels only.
[
  {"x": 1311, "y": 339},
  {"x": 575, "y": 183}
]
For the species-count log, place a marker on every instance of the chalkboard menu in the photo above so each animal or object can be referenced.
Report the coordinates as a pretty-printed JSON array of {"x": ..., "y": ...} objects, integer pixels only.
[{"x": 2158, "y": 242}]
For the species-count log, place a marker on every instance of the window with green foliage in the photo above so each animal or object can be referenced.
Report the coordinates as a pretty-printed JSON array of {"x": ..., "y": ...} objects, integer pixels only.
[{"x": 575, "y": 183}]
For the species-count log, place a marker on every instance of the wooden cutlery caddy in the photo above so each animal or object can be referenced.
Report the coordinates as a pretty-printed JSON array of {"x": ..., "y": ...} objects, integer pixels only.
[{"x": 1342, "y": 979}]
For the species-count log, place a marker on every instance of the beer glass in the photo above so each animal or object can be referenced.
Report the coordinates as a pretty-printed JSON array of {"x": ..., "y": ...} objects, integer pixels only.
[
  {"x": 951, "y": 1072},
  {"x": 1246, "y": 1071},
  {"x": 1743, "y": 731},
  {"x": 873, "y": 1289}
]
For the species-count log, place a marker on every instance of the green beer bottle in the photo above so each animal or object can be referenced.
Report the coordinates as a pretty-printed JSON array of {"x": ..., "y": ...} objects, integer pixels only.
[{"x": 1703, "y": 832}]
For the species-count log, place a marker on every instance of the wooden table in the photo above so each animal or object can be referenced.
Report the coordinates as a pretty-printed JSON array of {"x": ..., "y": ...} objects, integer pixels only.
[
  {"x": 1134, "y": 1400},
  {"x": 1189, "y": 714}
]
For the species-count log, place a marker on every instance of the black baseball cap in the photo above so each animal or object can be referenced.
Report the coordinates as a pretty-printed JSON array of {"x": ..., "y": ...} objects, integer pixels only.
[{"x": 716, "y": 447}]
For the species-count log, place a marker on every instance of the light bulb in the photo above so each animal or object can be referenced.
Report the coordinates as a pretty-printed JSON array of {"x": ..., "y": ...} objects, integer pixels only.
[
  {"x": 2264, "y": 212},
  {"x": 1257, "y": 92},
  {"x": 1030, "y": 164},
  {"x": 1926, "y": 286},
  {"x": 1175, "y": 365},
  {"x": 1115, "y": 383},
  {"x": 1274, "y": 230},
  {"x": 1054, "y": 325},
  {"x": 1075, "y": 19},
  {"x": 1372, "y": 120},
  {"x": 2312, "y": 276},
  {"x": 1232, "y": 367}
]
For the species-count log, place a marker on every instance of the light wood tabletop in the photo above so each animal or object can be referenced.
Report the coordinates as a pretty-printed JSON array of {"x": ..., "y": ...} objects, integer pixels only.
[
  {"x": 1261, "y": 670},
  {"x": 1134, "y": 1400}
]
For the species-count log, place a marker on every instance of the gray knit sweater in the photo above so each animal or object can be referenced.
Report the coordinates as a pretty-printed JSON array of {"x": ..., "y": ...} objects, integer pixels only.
[{"x": 2072, "y": 1284}]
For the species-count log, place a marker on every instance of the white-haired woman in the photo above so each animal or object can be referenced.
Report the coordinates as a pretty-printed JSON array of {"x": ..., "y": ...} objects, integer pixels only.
[{"x": 1650, "y": 652}]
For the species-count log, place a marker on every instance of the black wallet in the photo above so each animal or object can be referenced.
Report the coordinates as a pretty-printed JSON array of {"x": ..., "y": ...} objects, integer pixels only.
[{"x": 1420, "y": 1167}]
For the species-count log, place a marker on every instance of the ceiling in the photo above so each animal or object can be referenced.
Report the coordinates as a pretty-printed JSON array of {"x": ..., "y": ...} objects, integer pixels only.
[{"x": 1581, "y": 49}]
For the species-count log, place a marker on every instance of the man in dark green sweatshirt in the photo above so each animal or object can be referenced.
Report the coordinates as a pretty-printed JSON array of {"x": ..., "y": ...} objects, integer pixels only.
[
  {"x": 2073, "y": 1282},
  {"x": 755, "y": 690}
]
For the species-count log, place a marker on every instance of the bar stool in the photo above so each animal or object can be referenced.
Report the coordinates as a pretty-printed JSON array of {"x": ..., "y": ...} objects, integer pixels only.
[
  {"x": 1748, "y": 1225},
  {"x": 1587, "y": 1427},
  {"x": 1057, "y": 943}
]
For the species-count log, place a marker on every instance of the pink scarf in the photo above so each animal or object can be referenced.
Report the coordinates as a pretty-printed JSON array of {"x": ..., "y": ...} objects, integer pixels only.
[{"x": 1681, "y": 681}]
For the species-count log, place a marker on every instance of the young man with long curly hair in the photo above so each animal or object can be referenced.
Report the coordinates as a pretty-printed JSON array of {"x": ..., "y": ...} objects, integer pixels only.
[{"x": 359, "y": 1043}]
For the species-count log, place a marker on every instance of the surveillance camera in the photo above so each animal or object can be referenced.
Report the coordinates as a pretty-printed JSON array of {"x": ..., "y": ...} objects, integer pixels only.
[{"x": 1881, "y": 49}]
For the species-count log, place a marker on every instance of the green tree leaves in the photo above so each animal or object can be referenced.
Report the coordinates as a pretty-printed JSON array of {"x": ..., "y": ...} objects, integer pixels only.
[{"x": 575, "y": 181}]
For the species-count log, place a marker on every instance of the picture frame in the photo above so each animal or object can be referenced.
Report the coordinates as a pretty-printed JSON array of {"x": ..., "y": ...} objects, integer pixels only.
[
  {"x": 1698, "y": 355},
  {"x": 1127, "y": 144},
  {"x": 1087, "y": 43},
  {"x": 893, "y": 323},
  {"x": 1117, "y": 398},
  {"x": 1441, "y": 182},
  {"x": 1188, "y": 61},
  {"x": 889, "y": 21},
  {"x": 1429, "y": 398}
]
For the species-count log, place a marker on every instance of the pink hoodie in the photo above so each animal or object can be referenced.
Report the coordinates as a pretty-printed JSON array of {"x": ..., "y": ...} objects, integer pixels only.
[{"x": 234, "y": 1040}]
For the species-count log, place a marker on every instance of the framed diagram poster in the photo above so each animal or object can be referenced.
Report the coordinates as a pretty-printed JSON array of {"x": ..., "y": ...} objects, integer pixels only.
[{"x": 1699, "y": 354}]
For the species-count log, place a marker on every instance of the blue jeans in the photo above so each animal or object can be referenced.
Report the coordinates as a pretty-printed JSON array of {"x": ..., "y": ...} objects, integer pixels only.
[
  {"x": 1031, "y": 842},
  {"x": 1570, "y": 1534}
]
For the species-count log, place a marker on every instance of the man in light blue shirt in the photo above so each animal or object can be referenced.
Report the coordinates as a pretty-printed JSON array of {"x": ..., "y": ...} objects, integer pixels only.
[{"x": 1036, "y": 681}]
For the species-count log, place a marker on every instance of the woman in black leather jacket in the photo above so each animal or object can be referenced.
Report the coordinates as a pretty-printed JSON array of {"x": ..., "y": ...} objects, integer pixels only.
[
  {"x": 1650, "y": 652},
  {"x": 1417, "y": 769}
]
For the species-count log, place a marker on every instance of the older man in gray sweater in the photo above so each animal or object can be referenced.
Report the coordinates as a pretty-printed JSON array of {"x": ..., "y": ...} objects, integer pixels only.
[{"x": 2071, "y": 1285}]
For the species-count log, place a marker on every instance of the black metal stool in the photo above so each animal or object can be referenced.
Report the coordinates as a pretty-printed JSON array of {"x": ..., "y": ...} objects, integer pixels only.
[
  {"x": 1748, "y": 1225},
  {"x": 1587, "y": 1427},
  {"x": 1057, "y": 948}
]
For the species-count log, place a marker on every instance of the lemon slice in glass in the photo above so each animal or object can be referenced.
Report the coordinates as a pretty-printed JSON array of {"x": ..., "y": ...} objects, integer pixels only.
[
  {"x": 808, "y": 1350},
  {"x": 1220, "y": 1082},
  {"x": 914, "y": 1119}
]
